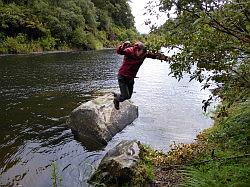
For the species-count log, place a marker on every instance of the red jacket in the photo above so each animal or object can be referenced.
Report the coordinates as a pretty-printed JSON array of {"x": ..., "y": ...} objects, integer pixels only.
[{"x": 131, "y": 63}]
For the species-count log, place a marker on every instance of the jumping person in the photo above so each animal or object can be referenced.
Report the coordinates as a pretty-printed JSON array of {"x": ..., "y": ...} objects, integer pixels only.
[{"x": 134, "y": 55}]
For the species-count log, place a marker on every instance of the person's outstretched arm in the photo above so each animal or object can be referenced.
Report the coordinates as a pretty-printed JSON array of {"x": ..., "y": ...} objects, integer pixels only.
[{"x": 158, "y": 56}]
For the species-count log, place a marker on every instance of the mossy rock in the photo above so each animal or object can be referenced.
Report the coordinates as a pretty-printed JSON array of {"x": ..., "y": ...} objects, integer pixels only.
[{"x": 121, "y": 166}]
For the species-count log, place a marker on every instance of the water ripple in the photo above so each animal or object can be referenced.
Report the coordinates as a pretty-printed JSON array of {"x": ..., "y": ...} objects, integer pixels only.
[{"x": 38, "y": 92}]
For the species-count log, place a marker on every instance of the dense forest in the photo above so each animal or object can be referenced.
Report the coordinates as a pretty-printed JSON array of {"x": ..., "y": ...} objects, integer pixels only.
[{"x": 44, "y": 25}]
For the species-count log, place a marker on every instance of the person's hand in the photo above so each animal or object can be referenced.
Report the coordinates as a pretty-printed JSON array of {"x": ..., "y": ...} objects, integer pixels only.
[
  {"x": 126, "y": 44},
  {"x": 162, "y": 57}
]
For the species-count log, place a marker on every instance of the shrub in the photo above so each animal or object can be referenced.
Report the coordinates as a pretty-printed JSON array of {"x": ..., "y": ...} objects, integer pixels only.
[
  {"x": 93, "y": 42},
  {"x": 17, "y": 44},
  {"x": 79, "y": 38},
  {"x": 47, "y": 43}
]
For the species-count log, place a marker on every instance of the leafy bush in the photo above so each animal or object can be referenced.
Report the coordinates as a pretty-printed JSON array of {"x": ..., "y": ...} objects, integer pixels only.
[
  {"x": 47, "y": 43},
  {"x": 233, "y": 132},
  {"x": 93, "y": 42},
  {"x": 17, "y": 44},
  {"x": 79, "y": 38}
]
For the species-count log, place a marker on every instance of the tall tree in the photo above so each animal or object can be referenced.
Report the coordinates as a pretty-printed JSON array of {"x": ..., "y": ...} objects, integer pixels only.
[{"x": 212, "y": 35}]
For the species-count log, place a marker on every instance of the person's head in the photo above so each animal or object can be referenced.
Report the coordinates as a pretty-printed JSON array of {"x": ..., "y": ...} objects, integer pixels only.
[{"x": 139, "y": 48}]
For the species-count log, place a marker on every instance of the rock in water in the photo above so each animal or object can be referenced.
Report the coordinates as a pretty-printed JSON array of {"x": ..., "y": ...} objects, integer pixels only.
[
  {"x": 119, "y": 165},
  {"x": 97, "y": 121}
]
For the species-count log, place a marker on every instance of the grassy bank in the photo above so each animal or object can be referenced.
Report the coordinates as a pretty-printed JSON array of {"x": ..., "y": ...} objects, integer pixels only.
[{"x": 220, "y": 156}]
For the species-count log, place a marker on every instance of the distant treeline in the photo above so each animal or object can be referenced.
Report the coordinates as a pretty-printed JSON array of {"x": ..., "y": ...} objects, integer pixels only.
[{"x": 44, "y": 25}]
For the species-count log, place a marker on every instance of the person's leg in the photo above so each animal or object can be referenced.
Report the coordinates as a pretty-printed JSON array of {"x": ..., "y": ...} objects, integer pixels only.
[
  {"x": 124, "y": 89},
  {"x": 131, "y": 87}
]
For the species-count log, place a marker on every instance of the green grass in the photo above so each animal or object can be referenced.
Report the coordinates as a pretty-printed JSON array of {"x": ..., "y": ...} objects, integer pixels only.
[
  {"x": 56, "y": 178},
  {"x": 229, "y": 164},
  {"x": 233, "y": 132},
  {"x": 218, "y": 174}
]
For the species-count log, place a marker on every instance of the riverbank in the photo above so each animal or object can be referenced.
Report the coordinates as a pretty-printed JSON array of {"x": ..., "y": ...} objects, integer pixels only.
[
  {"x": 53, "y": 52},
  {"x": 220, "y": 156},
  {"x": 39, "y": 52}
]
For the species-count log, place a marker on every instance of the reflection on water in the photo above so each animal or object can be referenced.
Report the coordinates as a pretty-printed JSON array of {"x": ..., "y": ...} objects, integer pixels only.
[{"x": 38, "y": 92}]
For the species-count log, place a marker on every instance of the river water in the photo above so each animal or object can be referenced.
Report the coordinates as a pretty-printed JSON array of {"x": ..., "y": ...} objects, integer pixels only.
[{"x": 37, "y": 93}]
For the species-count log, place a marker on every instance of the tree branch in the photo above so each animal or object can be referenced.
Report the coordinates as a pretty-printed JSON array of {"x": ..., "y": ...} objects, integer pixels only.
[
  {"x": 242, "y": 77},
  {"x": 245, "y": 11},
  {"x": 222, "y": 27},
  {"x": 227, "y": 30}
]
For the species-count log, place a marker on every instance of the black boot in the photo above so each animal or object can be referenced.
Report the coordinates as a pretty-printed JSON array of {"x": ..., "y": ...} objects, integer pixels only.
[{"x": 116, "y": 103}]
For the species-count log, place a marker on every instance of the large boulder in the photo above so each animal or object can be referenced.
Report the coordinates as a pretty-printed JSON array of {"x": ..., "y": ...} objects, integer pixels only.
[
  {"x": 97, "y": 121},
  {"x": 119, "y": 165}
]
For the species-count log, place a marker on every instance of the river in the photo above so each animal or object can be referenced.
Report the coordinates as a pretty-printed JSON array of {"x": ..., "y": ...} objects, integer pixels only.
[{"x": 38, "y": 91}]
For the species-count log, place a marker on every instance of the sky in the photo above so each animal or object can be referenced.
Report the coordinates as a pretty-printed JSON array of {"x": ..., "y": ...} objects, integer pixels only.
[{"x": 138, "y": 10}]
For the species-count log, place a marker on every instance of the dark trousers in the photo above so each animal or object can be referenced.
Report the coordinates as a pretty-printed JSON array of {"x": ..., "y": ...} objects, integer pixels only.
[{"x": 126, "y": 88}]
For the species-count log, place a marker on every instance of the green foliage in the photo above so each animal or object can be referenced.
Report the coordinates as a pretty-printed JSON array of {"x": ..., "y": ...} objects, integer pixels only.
[
  {"x": 228, "y": 162},
  {"x": 147, "y": 165},
  {"x": 218, "y": 174},
  {"x": 119, "y": 11},
  {"x": 16, "y": 19},
  {"x": 104, "y": 20},
  {"x": 57, "y": 179},
  {"x": 233, "y": 132},
  {"x": 121, "y": 34},
  {"x": 122, "y": 14},
  {"x": 154, "y": 42},
  {"x": 22, "y": 44},
  {"x": 212, "y": 36},
  {"x": 47, "y": 43},
  {"x": 79, "y": 37},
  {"x": 102, "y": 37},
  {"x": 93, "y": 42},
  {"x": 53, "y": 25},
  {"x": 15, "y": 44}
]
